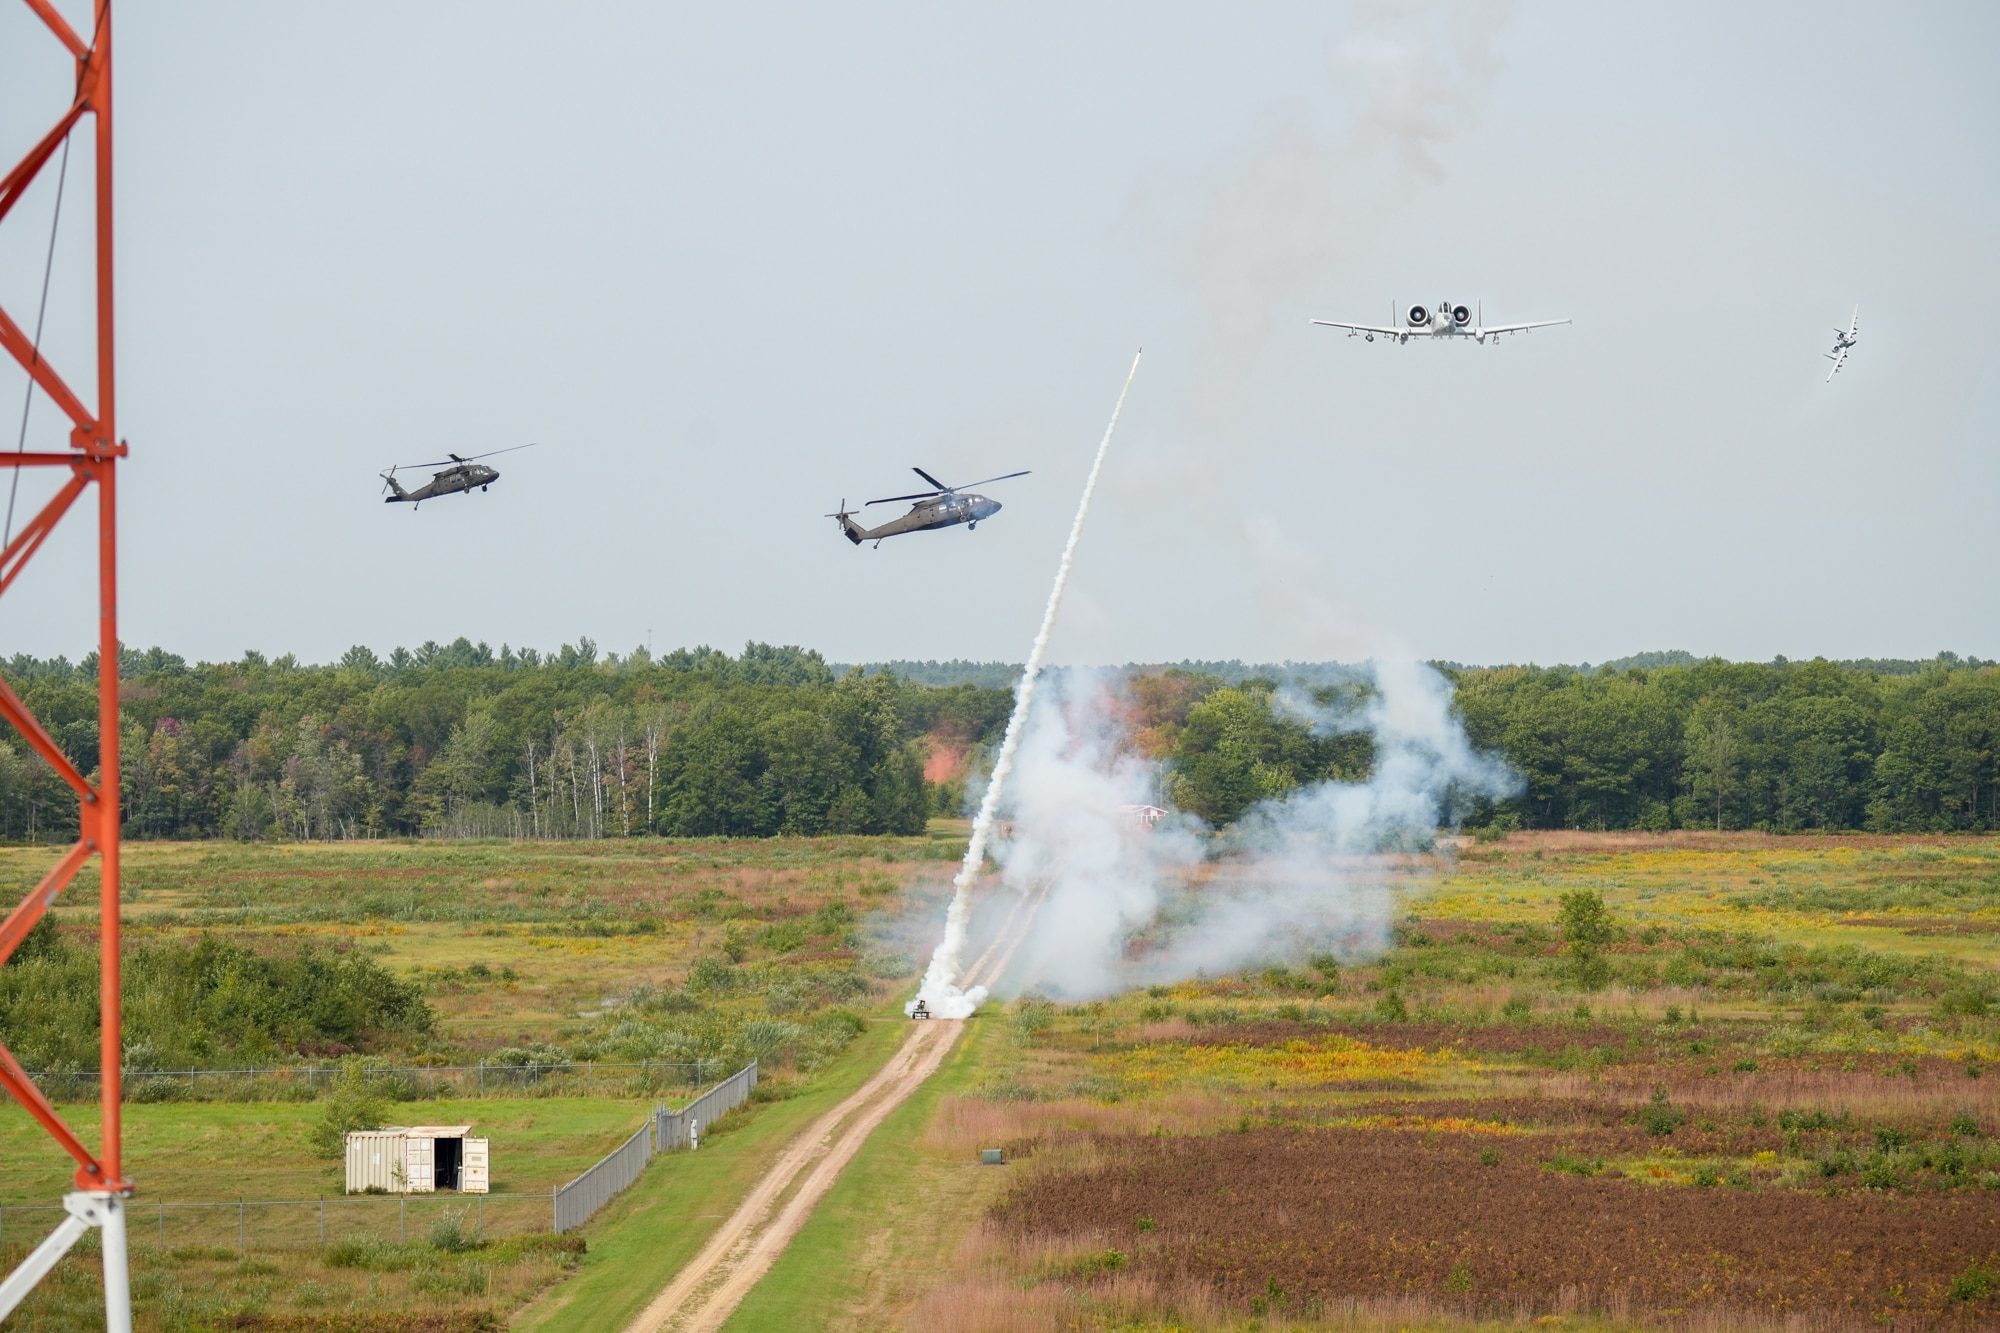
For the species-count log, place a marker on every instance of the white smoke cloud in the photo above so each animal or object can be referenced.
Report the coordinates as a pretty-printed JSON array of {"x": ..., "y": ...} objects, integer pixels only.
[{"x": 1297, "y": 873}]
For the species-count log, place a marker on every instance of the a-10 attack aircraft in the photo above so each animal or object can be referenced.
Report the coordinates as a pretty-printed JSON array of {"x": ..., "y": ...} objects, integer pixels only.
[
  {"x": 944, "y": 507},
  {"x": 1843, "y": 343},
  {"x": 1449, "y": 320}
]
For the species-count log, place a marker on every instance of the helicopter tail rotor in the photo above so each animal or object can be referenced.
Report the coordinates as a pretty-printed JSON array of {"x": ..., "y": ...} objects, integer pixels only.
[
  {"x": 844, "y": 516},
  {"x": 389, "y": 483}
]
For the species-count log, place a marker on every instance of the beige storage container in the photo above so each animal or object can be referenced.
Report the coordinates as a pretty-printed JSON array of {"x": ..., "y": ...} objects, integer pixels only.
[{"x": 417, "y": 1159}]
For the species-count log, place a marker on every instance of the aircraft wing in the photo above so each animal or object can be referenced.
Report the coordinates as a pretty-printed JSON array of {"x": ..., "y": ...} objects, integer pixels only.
[
  {"x": 1839, "y": 359},
  {"x": 1518, "y": 328},
  {"x": 1361, "y": 328}
]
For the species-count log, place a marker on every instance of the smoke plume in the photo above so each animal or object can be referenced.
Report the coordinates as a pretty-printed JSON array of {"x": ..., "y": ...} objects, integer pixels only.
[{"x": 1300, "y": 873}]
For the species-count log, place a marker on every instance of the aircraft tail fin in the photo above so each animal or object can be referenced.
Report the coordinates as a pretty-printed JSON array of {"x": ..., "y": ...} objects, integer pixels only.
[{"x": 395, "y": 486}]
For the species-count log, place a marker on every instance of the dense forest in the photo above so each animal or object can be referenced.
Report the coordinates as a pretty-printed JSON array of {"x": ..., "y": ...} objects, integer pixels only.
[
  {"x": 1713, "y": 744},
  {"x": 456, "y": 740}
]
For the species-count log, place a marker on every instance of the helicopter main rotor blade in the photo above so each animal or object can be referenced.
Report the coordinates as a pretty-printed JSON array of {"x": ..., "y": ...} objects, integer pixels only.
[
  {"x": 891, "y": 499},
  {"x": 454, "y": 460},
  {"x": 496, "y": 452},
  {"x": 929, "y": 478},
  {"x": 1011, "y": 475}
]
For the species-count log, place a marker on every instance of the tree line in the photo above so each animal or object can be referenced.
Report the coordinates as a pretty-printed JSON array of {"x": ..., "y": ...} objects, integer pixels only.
[
  {"x": 1711, "y": 744},
  {"x": 458, "y": 740}
]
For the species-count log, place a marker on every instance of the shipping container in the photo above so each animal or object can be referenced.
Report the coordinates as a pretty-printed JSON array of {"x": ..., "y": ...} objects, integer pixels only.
[{"x": 417, "y": 1159}]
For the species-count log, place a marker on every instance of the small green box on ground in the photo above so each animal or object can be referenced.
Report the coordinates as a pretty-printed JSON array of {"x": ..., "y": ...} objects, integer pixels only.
[{"x": 992, "y": 1157}]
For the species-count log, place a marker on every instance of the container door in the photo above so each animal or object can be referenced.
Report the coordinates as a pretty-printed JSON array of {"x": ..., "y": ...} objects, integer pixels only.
[
  {"x": 418, "y": 1164},
  {"x": 472, "y": 1171}
]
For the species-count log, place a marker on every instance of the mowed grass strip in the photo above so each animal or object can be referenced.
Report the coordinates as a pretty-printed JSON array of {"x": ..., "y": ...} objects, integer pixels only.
[
  {"x": 204, "y": 1151},
  {"x": 652, "y": 1230},
  {"x": 873, "y": 1245}
]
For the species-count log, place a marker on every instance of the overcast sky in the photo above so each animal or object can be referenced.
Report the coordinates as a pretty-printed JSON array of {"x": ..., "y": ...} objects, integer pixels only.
[{"x": 728, "y": 264}]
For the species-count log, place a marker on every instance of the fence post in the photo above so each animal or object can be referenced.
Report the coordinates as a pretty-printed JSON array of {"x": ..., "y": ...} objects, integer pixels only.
[
  {"x": 482, "y": 1078},
  {"x": 322, "y": 1221},
  {"x": 241, "y": 1247}
]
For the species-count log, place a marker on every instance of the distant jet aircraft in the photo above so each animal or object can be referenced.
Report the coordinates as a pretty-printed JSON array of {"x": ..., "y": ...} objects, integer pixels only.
[
  {"x": 1843, "y": 343},
  {"x": 1447, "y": 321}
]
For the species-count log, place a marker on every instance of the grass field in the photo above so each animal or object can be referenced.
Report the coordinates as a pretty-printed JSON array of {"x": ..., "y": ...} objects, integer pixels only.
[
  {"x": 1774, "y": 1101},
  {"x": 1777, "y": 1099},
  {"x": 552, "y": 944}
]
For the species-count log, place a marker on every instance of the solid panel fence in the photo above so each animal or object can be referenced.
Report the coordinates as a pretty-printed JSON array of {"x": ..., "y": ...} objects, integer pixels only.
[
  {"x": 732, "y": 1092},
  {"x": 578, "y": 1201}
]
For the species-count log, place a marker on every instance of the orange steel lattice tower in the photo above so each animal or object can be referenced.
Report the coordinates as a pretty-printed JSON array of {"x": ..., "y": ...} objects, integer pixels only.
[{"x": 92, "y": 458}]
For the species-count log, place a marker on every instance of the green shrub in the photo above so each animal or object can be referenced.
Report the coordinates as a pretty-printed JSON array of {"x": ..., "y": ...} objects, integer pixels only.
[
  {"x": 465, "y": 1280},
  {"x": 1574, "y": 1164},
  {"x": 1659, "y": 1117},
  {"x": 1976, "y": 1283},
  {"x": 1518, "y": 1008},
  {"x": 352, "y": 1104},
  {"x": 449, "y": 1234},
  {"x": 1032, "y": 1018},
  {"x": 1391, "y": 1009},
  {"x": 1586, "y": 930}
]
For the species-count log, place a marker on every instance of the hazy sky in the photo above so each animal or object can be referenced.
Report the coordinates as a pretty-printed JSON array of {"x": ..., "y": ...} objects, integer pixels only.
[{"x": 730, "y": 263}]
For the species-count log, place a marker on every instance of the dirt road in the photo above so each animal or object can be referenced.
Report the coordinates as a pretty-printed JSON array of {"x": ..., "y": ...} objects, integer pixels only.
[{"x": 702, "y": 1295}]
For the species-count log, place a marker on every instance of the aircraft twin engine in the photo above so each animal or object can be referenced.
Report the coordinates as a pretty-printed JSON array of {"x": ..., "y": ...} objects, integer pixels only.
[
  {"x": 1419, "y": 316},
  {"x": 1461, "y": 316}
]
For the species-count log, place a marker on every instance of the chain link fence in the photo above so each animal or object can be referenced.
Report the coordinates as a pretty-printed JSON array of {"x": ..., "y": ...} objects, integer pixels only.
[
  {"x": 403, "y": 1082},
  {"x": 290, "y": 1224},
  {"x": 303, "y": 1224}
]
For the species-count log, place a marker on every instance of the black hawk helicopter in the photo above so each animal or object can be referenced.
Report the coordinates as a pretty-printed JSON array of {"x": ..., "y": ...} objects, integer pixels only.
[
  {"x": 459, "y": 474},
  {"x": 945, "y": 507}
]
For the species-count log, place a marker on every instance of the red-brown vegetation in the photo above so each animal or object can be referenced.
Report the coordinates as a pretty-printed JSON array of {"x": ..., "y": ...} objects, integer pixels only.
[{"x": 1287, "y": 1217}]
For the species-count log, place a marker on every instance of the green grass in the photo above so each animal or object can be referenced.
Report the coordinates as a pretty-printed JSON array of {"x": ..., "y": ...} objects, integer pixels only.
[
  {"x": 657, "y": 1226},
  {"x": 200, "y": 1151},
  {"x": 877, "y": 1235}
]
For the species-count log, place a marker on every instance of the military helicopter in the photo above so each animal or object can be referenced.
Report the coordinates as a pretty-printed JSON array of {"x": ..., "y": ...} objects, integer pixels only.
[
  {"x": 944, "y": 507},
  {"x": 459, "y": 474}
]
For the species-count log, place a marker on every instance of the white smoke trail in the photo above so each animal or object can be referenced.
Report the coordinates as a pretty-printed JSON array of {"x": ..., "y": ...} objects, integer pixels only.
[{"x": 940, "y": 991}]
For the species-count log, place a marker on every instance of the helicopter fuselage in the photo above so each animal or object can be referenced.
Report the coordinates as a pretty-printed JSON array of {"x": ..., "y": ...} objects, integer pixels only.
[
  {"x": 943, "y": 512},
  {"x": 465, "y": 477}
]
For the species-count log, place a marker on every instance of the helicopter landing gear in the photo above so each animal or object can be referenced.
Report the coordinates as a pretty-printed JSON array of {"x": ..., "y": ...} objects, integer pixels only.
[
  {"x": 970, "y": 526},
  {"x": 482, "y": 488}
]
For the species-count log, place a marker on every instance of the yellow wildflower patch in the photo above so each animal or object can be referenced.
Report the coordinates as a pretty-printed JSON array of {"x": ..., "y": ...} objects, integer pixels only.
[{"x": 1296, "y": 1064}]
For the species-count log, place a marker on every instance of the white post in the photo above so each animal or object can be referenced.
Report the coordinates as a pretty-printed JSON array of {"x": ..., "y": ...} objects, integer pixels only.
[
  {"x": 86, "y": 1210},
  {"x": 117, "y": 1268},
  {"x": 694, "y": 1132}
]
